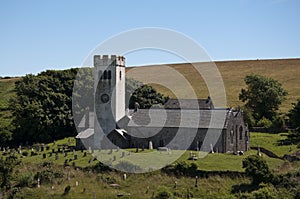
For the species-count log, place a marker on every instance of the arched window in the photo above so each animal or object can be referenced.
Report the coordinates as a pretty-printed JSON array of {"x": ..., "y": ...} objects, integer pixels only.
[
  {"x": 100, "y": 74},
  {"x": 109, "y": 74},
  {"x": 120, "y": 75},
  {"x": 241, "y": 132},
  {"x": 105, "y": 75}
]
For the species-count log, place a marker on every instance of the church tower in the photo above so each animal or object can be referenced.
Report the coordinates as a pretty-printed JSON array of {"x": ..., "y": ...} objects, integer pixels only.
[{"x": 109, "y": 90}]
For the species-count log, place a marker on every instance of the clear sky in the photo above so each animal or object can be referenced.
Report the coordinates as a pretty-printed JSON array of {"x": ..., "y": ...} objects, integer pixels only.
[{"x": 39, "y": 35}]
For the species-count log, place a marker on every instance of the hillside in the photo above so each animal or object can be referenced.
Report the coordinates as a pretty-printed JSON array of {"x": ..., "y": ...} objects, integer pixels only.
[{"x": 286, "y": 71}]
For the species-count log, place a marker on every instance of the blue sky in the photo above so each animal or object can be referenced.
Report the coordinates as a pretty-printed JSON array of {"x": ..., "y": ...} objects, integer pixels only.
[{"x": 39, "y": 35}]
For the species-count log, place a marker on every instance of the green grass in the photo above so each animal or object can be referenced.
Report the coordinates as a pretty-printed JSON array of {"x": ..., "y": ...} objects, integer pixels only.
[
  {"x": 272, "y": 142},
  {"x": 149, "y": 159}
]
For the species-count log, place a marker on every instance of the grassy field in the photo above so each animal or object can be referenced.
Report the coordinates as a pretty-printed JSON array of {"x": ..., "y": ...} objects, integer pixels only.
[
  {"x": 273, "y": 142},
  {"x": 286, "y": 71},
  {"x": 6, "y": 92}
]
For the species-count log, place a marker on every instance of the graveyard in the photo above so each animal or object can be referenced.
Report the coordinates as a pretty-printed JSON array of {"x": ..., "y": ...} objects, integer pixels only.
[{"x": 60, "y": 166}]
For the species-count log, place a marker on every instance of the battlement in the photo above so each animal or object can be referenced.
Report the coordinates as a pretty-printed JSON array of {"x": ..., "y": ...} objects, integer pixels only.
[{"x": 106, "y": 60}]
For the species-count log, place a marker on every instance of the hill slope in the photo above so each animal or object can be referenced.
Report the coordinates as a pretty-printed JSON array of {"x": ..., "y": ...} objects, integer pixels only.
[{"x": 286, "y": 71}]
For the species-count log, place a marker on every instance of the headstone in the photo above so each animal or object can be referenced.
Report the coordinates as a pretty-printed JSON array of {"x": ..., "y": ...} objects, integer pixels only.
[
  {"x": 115, "y": 158},
  {"x": 110, "y": 152},
  {"x": 124, "y": 176},
  {"x": 52, "y": 187},
  {"x": 84, "y": 154},
  {"x": 118, "y": 148},
  {"x": 75, "y": 157},
  {"x": 90, "y": 160},
  {"x": 196, "y": 182},
  {"x": 69, "y": 175},
  {"x": 258, "y": 151},
  {"x": 53, "y": 150},
  {"x": 50, "y": 154},
  {"x": 143, "y": 148},
  {"x": 47, "y": 148},
  {"x": 56, "y": 156},
  {"x": 32, "y": 153},
  {"x": 175, "y": 185},
  {"x": 73, "y": 164},
  {"x": 38, "y": 183},
  {"x": 150, "y": 145},
  {"x": 44, "y": 155},
  {"x": 76, "y": 183},
  {"x": 59, "y": 150},
  {"x": 66, "y": 154},
  {"x": 42, "y": 148},
  {"x": 90, "y": 149},
  {"x": 137, "y": 150},
  {"x": 212, "y": 148}
]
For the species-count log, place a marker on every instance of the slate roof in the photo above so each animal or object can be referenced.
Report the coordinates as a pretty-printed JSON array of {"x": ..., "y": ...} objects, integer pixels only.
[
  {"x": 180, "y": 118},
  {"x": 189, "y": 104}
]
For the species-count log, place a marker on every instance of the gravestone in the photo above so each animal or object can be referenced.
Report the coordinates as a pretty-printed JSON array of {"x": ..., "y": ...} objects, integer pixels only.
[
  {"x": 44, "y": 155},
  {"x": 38, "y": 183},
  {"x": 66, "y": 154},
  {"x": 196, "y": 182},
  {"x": 175, "y": 185},
  {"x": 90, "y": 149},
  {"x": 90, "y": 160},
  {"x": 123, "y": 154},
  {"x": 115, "y": 158},
  {"x": 56, "y": 156},
  {"x": 124, "y": 176},
  {"x": 42, "y": 148},
  {"x": 84, "y": 154},
  {"x": 73, "y": 164},
  {"x": 50, "y": 154},
  {"x": 59, "y": 150},
  {"x": 47, "y": 148},
  {"x": 53, "y": 150},
  {"x": 75, "y": 157},
  {"x": 76, "y": 183},
  {"x": 137, "y": 150},
  {"x": 150, "y": 145},
  {"x": 143, "y": 148}
]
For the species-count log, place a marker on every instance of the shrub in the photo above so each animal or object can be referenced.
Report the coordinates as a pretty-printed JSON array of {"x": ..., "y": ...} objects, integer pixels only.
[
  {"x": 258, "y": 169},
  {"x": 25, "y": 153},
  {"x": 265, "y": 123},
  {"x": 100, "y": 167},
  {"x": 25, "y": 180},
  {"x": 67, "y": 190},
  {"x": 127, "y": 166},
  {"x": 163, "y": 193}
]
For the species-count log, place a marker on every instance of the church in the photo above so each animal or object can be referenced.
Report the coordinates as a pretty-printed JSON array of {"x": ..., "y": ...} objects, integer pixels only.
[{"x": 193, "y": 124}]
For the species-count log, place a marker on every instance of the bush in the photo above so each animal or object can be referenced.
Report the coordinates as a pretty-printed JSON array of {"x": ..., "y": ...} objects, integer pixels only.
[
  {"x": 67, "y": 190},
  {"x": 265, "y": 123},
  {"x": 25, "y": 153},
  {"x": 163, "y": 193},
  {"x": 266, "y": 192},
  {"x": 25, "y": 180},
  {"x": 127, "y": 166},
  {"x": 258, "y": 169},
  {"x": 100, "y": 167}
]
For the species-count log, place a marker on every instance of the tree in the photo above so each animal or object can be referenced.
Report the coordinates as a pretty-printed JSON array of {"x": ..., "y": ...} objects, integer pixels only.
[
  {"x": 263, "y": 96},
  {"x": 6, "y": 169},
  {"x": 258, "y": 169},
  {"x": 42, "y": 107},
  {"x": 146, "y": 96},
  {"x": 294, "y": 115}
]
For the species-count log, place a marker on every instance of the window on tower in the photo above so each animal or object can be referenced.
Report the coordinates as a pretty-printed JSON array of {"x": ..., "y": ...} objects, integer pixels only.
[
  {"x": 109, "y": 74},
  {"x": 105, "y": 75}
]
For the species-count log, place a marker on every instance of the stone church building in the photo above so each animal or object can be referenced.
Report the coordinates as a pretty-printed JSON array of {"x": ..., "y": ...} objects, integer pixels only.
[{"x": 181, "y": 124}]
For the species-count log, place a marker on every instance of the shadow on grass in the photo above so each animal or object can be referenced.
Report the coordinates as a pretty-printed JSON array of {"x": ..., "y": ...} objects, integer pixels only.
[{"x": 242, "y": 188}]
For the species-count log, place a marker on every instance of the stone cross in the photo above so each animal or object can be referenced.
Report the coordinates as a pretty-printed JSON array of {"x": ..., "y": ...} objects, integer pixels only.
[{"x": 38, "y": 183}]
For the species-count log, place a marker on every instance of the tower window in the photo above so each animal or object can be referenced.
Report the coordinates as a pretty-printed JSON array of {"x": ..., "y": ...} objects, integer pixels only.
[
  {"x": 241, "y": 132},
  {"x": 109, "y": 74},
  {"x": 105, "y": 75},
  {"x": 120, "y": 75}
]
